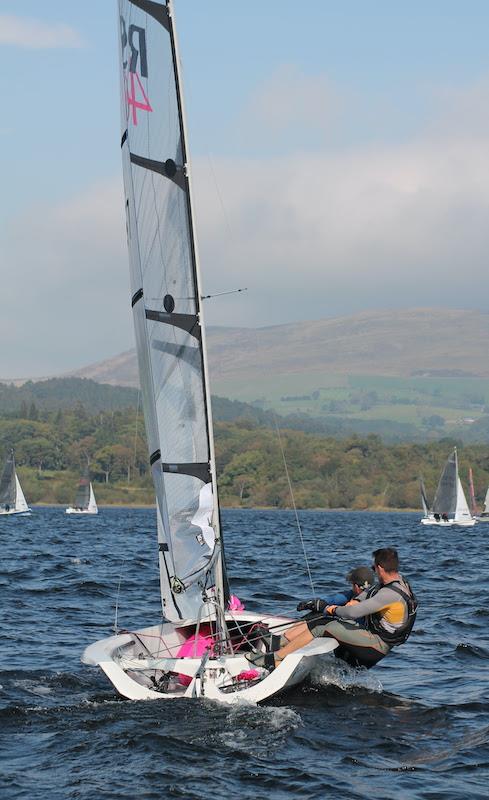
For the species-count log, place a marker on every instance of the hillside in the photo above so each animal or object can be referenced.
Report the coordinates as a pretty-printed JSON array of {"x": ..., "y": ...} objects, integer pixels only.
[
  {"x": 416, "y": 342},
  {"x": 410, "y": 375}
]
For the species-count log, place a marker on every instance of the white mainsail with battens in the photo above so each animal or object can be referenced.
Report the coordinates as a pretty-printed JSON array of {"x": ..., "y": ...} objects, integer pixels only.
[
  {"x": 164, "y": 661},
  {"x": 166, "y": 302},
  {"x": 450, "y": 505}
]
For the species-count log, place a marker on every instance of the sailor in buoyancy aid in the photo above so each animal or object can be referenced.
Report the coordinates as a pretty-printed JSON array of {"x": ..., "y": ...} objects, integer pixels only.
[{"x": 389, "y": 609}]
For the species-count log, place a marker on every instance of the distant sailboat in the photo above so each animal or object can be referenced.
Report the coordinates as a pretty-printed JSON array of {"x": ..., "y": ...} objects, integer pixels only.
[
  {"x": 450, "y": 505},
  {"x": 12, "y": 500},
  {"x": 85, "y": 499}
]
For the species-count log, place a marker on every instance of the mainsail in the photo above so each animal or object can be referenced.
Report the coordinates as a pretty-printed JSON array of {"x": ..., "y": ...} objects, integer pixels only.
[
  {"x": 8, "y": 486},
  {"x": 424, "y": 499},
  {"x": 166, "y": 302},
  {"x": 83, "y": 494},
  {"x": 445, "y": 501}
]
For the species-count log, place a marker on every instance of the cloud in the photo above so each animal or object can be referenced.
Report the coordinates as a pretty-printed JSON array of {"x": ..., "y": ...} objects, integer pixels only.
[
  {"x": 460, "y": 111},
  {"x": 330, "y": 233},
  {"x": 291, "y": 106},
  {"x": 67, "y": 299},
  {"x": 35, "y": 34}
]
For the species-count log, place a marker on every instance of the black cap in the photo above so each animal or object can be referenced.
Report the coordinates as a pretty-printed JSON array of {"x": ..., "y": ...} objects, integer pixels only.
[{"x": 362, "y": 576}]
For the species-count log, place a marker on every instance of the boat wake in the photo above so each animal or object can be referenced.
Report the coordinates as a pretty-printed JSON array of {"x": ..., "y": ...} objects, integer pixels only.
[
  {"x": 251, "y": 728},
  {"x": 337, "y": 673}
]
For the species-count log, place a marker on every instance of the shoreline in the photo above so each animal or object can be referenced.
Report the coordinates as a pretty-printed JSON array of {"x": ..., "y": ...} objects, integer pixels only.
[{"x": 374, "y": 509}]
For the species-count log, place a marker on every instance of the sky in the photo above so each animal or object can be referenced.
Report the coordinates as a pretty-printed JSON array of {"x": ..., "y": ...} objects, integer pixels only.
[{"x": 339, "y": 156}]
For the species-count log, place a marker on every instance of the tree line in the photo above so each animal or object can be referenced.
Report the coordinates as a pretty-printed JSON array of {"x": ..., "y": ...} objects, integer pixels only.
[{"x": 326, "y": 472}]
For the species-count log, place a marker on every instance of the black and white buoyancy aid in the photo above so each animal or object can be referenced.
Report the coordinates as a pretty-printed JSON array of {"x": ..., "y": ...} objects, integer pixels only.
[{"x": 374, "y": 621}]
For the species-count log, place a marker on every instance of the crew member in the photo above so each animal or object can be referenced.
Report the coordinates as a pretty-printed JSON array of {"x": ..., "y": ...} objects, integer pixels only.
[{"x": 389, "y": 609}]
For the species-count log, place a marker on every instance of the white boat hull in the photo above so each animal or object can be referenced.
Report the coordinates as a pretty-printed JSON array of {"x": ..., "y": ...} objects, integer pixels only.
[
  {"x": 71, "y": 510},
  {"x": 130, "y": 661},
  {"x": 13, "y": 512},
  {"x": 465, "y": 523}
]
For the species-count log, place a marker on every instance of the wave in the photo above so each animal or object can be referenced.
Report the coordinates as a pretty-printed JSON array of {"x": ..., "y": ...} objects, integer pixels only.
[
  {"x": 465, "y": 649},
  {"x": 337, "y": 673}
]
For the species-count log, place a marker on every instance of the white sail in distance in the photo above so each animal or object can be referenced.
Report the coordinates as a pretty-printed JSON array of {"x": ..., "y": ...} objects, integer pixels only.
[
  {"x": 462, "y": 511},
  {"x": 166, "y": 303},
  {"x": 92, "y": 503},
  {"x": 20, "y": 501}
]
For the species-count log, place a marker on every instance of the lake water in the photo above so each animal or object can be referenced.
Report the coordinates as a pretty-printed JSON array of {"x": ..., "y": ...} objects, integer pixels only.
[{"x": 416, "y": 726}]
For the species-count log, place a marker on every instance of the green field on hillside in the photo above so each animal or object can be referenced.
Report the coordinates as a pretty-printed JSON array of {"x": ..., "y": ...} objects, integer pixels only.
[{"x": 426, "y": 402}]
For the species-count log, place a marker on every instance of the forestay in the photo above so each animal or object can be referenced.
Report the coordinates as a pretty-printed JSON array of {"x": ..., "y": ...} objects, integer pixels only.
[{"x": 166, "y": 307}]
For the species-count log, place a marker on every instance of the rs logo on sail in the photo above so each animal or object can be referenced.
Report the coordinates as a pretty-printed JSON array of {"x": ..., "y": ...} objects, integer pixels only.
[{"x": 134, "y": 37}]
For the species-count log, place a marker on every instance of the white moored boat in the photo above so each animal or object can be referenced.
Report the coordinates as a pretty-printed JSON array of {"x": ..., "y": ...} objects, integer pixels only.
[
  {"x": 198, "y": 649},
  {"x": 12, "y": 500},
  {"x": 450, "y": 505},
  {"x": 85, "y": 499}
]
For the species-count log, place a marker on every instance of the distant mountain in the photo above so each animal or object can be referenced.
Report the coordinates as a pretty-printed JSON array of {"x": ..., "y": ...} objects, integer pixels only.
[{"x": 417, "y": 342}]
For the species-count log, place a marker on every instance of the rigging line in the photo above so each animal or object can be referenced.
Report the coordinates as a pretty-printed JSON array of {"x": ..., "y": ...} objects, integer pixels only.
[
  {"x": 218, "y": 192},
  {"x": 299, "y": 528}
]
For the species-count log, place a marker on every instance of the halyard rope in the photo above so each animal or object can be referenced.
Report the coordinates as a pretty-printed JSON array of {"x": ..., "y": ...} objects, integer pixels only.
[{"x": 299, "y": 528}]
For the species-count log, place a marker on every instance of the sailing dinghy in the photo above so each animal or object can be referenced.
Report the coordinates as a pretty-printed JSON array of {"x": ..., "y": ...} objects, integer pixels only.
[
  {"x": 85, "y": 499},
  {"x": 12, "y": 500},
  {"x": 450, "y": 505},
  {"x": 199, "y": 648}
]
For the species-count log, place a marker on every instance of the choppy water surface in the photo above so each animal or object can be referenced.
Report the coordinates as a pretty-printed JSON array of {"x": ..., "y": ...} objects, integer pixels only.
[{"x": 417, "y": 726}]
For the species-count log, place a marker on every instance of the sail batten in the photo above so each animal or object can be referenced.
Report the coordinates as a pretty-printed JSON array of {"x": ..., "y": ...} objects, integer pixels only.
[{"x": 168, "y": 323}]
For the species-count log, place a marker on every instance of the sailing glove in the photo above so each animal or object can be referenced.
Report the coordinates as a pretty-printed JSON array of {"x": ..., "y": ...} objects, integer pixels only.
[{"x": 316, "y": 604}]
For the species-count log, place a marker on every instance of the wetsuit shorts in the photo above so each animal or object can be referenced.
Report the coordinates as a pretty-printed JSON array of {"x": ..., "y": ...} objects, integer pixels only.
[{"x": 357, "y": 646}]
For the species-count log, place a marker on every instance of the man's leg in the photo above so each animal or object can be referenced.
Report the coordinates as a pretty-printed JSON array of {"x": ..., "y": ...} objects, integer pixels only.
[
  {"x": 301, "y": 637},
  {"x": 293, "y": 632},
  {"x": 357, "y": 646}
]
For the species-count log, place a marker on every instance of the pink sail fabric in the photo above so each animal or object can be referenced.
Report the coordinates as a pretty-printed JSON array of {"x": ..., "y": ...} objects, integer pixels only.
[
  {"x": 235, "y": 604},
  {"x": 193, "y": 647},
  {"x": 248, "y": 675}
]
